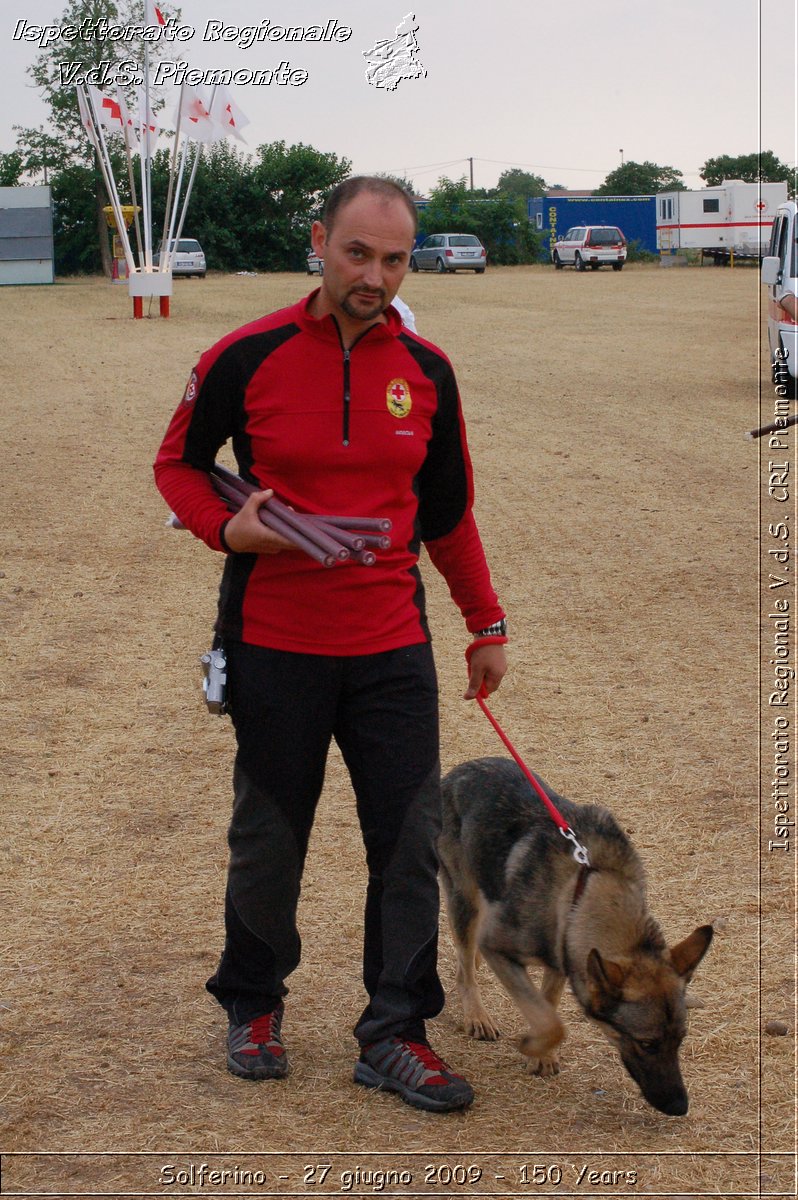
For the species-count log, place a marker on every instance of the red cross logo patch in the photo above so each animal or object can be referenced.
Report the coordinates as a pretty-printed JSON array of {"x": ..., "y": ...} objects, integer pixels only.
[
  {"x": 397, "y": 396},
  {"x": 192, "y": 387}
]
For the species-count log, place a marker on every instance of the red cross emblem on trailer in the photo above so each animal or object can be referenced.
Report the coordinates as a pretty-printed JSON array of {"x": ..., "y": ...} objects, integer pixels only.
[
  {"x": 761, "y": 205},
  {"x": 397, "y": 396}
]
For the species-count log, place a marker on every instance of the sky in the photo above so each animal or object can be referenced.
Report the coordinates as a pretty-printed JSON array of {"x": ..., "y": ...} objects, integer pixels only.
[{"x": 566, "y": 92}]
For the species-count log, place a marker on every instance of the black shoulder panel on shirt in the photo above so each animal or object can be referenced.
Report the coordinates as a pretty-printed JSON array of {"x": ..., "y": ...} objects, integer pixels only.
[
  {"x": 219, "y": 412},
  {"x": 442, "y": 484}
]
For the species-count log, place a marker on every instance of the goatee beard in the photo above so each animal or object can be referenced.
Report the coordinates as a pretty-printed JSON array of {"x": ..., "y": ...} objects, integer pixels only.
[{"x": 378, "y": 308}]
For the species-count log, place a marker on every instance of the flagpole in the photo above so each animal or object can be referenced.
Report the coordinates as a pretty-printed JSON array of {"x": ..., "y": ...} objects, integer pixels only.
[
  {"x": 197, "y": 157},
  {"x": 134, "y": 200},
  {"x": 147, "y": 163},
  {"x": 144, "y": 134},
  {"x": 164, "y": 236},
  {"x": 110, "y": 186},
  {"x": 168, "y": 247}
]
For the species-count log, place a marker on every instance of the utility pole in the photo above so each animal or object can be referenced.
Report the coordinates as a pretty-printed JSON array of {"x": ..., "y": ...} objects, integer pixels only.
[{"x": 471, "y": 166}]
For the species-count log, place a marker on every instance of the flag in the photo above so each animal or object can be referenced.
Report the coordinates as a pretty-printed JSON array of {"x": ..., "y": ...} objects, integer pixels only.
[
  {"x": 85, "y": 114},
  {"x": 227, "y": 114},
  {"x": 107, "y": 110},
  {"x": 147, "y": 124},
  {"x": 128, "y": 123},
  {"x": 195, "y": 119},
  {"x": 153, "y": 14}
]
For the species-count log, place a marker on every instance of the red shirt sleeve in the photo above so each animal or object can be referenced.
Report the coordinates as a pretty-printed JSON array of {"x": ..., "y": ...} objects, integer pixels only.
[
  {"x": 186, "y": 457},
  {"x": 460, "y": 558},
  {"x": 446, "y": 518}
]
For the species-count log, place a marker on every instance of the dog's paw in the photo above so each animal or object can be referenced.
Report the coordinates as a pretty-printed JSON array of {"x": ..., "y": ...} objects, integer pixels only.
[
  {"x": 481, "y": 1028},
  {"x": 545, "y": 1067},
  {"x": 542, "y": 1051}
]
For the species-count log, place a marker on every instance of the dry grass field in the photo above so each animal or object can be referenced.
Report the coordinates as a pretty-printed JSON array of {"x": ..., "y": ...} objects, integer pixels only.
[{"x": 618, "y": 502}]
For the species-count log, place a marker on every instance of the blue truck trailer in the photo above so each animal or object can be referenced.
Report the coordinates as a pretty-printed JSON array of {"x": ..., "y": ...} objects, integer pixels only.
[{"x": 635, "y": 216}]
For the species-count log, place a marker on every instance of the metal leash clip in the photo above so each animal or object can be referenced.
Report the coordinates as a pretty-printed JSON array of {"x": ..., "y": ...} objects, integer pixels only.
[{"x": 580, "y": 852}]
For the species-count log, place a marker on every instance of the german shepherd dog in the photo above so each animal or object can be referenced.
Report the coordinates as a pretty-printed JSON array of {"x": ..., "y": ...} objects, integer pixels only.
[{"x": 516, "y": 894}]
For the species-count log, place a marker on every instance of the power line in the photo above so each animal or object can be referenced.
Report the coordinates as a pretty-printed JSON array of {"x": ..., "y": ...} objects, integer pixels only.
[
  {"x": 496, "y": 162},
  {"x": 539, "y": 166},
  {"x": 429, "y": 166}
]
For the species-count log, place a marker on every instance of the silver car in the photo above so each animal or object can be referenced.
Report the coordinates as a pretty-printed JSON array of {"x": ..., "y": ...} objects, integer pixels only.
[
  {"x": 444, "y": 252},
  {"x": 188, "y": 258},
  {"x": 314, "y": 265}
]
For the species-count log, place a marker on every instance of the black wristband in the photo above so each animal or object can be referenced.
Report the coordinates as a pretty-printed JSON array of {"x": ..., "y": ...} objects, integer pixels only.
[{"x": 227, "y": 549}]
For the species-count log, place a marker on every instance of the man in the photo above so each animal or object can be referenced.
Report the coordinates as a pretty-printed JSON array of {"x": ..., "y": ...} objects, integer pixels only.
[{"x": 337, "y": 408}]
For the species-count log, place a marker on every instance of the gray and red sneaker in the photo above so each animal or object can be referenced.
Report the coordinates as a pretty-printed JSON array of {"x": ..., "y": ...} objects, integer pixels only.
[
  {"x": 414, "y": 1071},
  {"x": 255, "y": 1050}
]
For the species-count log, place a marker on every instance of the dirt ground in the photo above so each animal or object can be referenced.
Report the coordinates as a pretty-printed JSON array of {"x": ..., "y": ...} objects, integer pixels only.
[{"x": 619, "y": 504}]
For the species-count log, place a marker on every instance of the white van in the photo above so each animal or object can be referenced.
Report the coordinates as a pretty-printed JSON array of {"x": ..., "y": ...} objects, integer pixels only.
[{"x": 780, "y": 276}]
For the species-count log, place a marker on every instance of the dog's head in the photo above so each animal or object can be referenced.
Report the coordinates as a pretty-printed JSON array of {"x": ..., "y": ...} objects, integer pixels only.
[{"x": 639, "y": 1003}]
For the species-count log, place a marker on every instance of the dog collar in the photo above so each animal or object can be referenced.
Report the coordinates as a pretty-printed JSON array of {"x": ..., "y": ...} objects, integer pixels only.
[{"x": 581, "y": 880}]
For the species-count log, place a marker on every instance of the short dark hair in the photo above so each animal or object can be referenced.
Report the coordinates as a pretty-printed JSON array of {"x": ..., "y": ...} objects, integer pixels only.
[{"x": 352, "y": 187}]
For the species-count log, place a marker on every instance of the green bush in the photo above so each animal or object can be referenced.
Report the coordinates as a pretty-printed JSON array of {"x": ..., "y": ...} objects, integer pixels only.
[
  {"x": 636, "y": 252},
  {"x": 500, "y": 222}
]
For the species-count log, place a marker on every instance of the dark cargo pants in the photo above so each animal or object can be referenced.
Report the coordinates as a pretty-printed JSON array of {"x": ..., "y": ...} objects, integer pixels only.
[{"x": 382, "y": 710}]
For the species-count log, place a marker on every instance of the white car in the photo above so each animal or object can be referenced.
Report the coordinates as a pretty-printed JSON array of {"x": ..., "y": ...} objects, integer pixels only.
[
  {"x": 590, "y": 246},
  {"x": 780, "y": 276},
  {"x": 188, "y": 258},
  {"x": 314, "y": 264},
  {"x": 444, "y": 252}
]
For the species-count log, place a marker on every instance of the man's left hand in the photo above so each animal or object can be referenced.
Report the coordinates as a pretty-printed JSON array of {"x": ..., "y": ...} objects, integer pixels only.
[{"x": 488, "y": 665}]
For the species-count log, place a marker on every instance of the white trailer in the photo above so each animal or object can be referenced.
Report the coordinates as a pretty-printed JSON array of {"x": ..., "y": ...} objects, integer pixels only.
[{"x": 734, "y": 216}]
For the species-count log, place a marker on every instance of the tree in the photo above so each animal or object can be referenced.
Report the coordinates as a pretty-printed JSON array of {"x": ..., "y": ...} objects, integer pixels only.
[
  {"x": 248, "y": 211},
  {"x": 290, "y": 184},
  {"x": 521, "y": 184},
  {"x": 77, "y": 252},
  {"x": 221, "y": 195},
  {"x": 253, "y": 212},
  {"x": 51, "y": 69},
  {"x": 11, "y": 167},
  {"x": 41, "y": 154},
  {"x": 500, "y": 222},
  {"x": 641, "y": 179},
  {"x": 761, "y": 167}
]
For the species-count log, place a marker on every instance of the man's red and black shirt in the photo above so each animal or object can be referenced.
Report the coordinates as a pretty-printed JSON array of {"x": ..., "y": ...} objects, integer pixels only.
[{"x": 373, "y": 431}]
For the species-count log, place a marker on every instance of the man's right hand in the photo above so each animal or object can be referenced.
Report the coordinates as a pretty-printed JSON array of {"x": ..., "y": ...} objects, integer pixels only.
[{"x": 245, "y": 533}]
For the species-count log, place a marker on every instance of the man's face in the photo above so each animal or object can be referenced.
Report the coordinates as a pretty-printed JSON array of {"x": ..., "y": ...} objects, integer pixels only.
[{"x": 366, "y": 255}]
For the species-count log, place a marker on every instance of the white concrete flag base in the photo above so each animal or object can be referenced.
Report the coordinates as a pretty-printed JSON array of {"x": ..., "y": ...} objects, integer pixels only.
[{"x": 149, "y": 283}]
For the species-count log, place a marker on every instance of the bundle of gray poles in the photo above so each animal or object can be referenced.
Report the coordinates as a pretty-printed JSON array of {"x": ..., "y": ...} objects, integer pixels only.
[{"x": 328, "y": 539}]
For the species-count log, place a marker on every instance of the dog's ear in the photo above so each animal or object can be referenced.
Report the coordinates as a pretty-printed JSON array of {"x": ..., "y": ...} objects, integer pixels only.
[
  {"x": 605, "y": 979},
  {"x": 686, "y": 956}
]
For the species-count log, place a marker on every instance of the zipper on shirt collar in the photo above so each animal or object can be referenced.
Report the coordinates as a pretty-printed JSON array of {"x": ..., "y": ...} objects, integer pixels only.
[
  {"x": 347, "y": 398},
  {"x": 347, "y": 378}
]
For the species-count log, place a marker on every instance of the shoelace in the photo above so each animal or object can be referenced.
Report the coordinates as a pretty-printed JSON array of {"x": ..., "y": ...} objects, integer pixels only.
[
  {"x": 428, "y": 1057},
  {"x": 265, "y": 1030}
]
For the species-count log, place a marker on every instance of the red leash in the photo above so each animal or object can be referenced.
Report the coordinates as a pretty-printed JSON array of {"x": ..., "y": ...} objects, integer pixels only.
[{"x": 580, "y": 852}]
